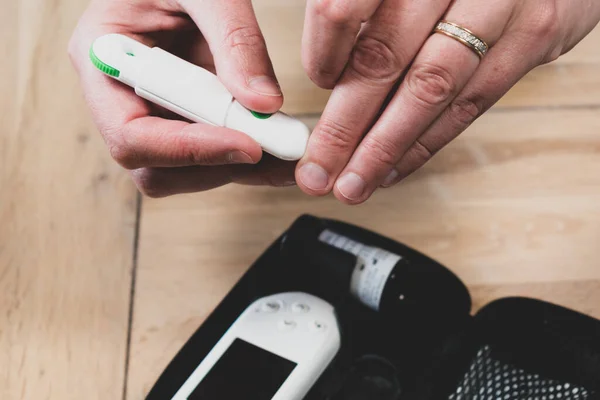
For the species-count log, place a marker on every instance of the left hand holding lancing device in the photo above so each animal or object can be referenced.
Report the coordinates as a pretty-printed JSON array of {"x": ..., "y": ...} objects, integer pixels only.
[
  {"x": 446, "y": 79},
  {"x": 165, "y": 154}
]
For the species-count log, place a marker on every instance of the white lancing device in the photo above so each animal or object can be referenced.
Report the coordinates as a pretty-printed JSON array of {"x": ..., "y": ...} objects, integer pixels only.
[{"x": 194, "y": 93}]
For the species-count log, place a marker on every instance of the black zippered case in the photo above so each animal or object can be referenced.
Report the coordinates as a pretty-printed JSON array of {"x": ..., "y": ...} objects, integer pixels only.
[{"x": 432, "y": 348}]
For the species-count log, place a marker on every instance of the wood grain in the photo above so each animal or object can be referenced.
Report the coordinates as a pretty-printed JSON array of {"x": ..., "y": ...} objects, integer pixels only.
[
  {"x": 513, "y": 207},
  {"x": 67, "y": 221}
]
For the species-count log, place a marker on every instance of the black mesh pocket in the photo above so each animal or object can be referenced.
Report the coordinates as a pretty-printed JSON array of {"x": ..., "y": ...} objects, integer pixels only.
[{"x": 492, "y": 379}]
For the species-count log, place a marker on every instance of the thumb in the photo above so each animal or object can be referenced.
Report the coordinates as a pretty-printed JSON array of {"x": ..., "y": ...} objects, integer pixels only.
[{"x": 239, "y": 50}]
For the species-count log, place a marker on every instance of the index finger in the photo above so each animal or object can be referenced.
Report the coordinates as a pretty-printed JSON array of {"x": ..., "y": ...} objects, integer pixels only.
[{"x": 330, "y": 29}]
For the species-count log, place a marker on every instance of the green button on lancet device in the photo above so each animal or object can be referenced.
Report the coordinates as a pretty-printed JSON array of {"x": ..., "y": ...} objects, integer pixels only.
[
  {"x": 260, "y": 115},
  {"x": 194, "y": 93}
]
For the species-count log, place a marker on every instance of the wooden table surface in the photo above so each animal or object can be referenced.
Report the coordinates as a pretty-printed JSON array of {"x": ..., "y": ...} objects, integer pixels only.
[{"x": 99, "y": 288}]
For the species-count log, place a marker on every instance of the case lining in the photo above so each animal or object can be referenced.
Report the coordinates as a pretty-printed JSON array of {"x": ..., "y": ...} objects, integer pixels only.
[{"x": 489, "y": 378}]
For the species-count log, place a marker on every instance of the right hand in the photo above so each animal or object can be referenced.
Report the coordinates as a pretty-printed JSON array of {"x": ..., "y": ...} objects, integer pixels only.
[{"x": 166, "y": 154}]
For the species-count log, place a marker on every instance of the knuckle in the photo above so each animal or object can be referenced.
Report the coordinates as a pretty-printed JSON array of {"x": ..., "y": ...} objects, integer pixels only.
[
  {"x": 194, "y": 156},
  {"x": 335, "y": 11},
  {"x": 321, "y": 74},
  {"x": 269, "y": 180},
  {"x": 149, "y": 183},
  {"x": 543, "y": 24},
  {"x": 123, "y": 154},
  {"x": 431, "y": 84},
  {"x": 382, "y": 151},
  {"x": 244, "y": 36},
  {"x": 186, "y": 151},
  {"x": 553, "y": 54},
  {"x": 374, "y": 59},
  {"x": 464, "y": 111},
  {"x": 334, "y": 135},
  {"x": 421, "y": 154}
]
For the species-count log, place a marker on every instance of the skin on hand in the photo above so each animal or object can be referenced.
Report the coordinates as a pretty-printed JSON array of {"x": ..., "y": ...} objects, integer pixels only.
[
  {"x": 401, "y": 93},
  {"x": 166, "y": 154}
]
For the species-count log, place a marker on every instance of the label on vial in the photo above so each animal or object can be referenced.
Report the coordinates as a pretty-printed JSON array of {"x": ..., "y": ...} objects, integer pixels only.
[{"x": 372, "y": 270}]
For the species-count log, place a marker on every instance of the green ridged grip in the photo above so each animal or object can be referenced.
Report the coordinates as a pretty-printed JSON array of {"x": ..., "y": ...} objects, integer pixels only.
[{"x": 107, "y": 69}]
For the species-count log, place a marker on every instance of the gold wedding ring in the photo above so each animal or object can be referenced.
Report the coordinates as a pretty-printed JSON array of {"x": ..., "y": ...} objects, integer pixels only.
[{"x": 463, "y": 35}]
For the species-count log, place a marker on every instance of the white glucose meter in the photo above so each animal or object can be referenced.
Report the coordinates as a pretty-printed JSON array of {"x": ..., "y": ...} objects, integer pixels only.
[
  {"x": 276, "y": 350},
  {"x": 194, "y": 93}
]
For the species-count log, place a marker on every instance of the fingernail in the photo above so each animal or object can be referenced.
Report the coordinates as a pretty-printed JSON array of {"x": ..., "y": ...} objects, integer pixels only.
[
  {"x": 239, "y": 157},
  {"x": 391, "y": 178},
  {"x": 264, "y": 85},
  {"x": 313, "y": 176},
  {"x": 351, "y": 186}
]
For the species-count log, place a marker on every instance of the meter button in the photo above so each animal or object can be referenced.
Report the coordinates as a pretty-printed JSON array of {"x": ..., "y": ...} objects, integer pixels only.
[
  {"x": 300, "y": 308},
  {"x": 271, "y": 306},
  {"x": 287, "y": 325},
  {"x": 317, "y": 326}
]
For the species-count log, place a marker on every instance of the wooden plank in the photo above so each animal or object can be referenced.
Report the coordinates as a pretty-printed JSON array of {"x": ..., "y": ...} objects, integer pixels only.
[
  {"x": 556, "y": 85},
  {"x": 571, "y": 81},
  {"x": 67, "y": 221},
  {"x": 514, "y": 201},
  {"x": 282, "y": 24}
]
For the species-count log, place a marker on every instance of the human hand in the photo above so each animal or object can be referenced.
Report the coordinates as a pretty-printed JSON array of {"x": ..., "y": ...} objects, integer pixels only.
[
  {"x": 400, "y": 93},
  {"x": 166, "y": 154}
]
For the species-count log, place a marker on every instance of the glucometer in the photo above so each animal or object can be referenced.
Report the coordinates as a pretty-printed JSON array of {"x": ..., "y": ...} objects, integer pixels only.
[
  {"x": 194, "y": 93},
  {"x": 407, "y": 331},
  {"x": 275, "y": 350}
]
